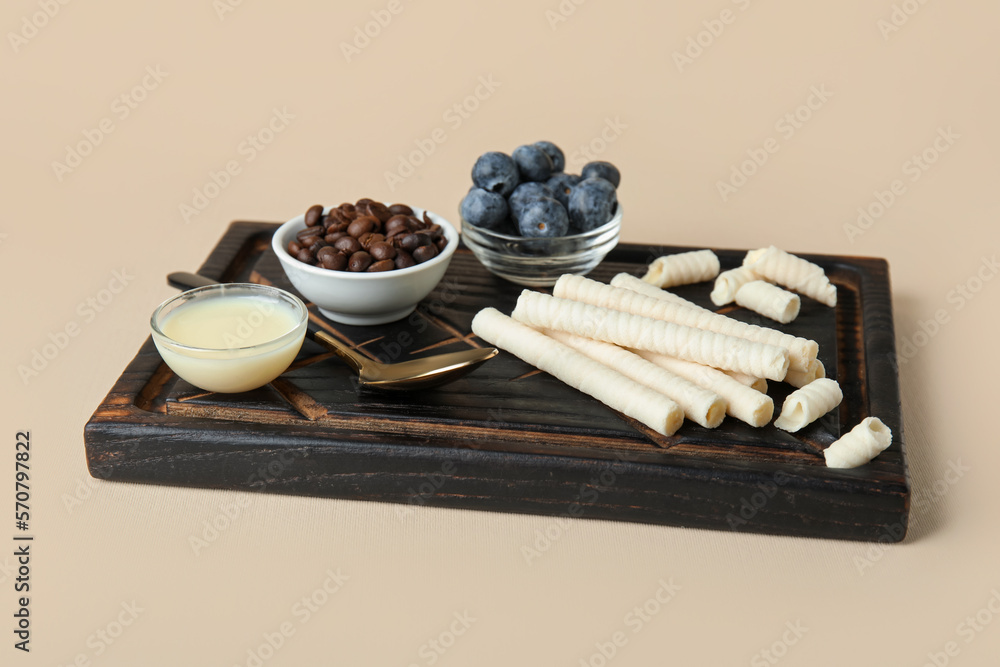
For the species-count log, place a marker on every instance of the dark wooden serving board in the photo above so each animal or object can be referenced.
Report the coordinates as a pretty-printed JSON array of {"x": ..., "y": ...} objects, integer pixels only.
[{"x": 508, "y": 437}]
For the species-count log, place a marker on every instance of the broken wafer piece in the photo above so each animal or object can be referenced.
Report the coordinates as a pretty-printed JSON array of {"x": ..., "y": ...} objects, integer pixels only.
[
  {"x": 700, "y": 405},
  {"x": 806, "y": 405},
  {"x": 801, "y": 351},
  {"x": 863, "y": 443},
  {"x": 682, "y": 268},
  {"x": 729, "y": 282},
  {"x": 793, "y": 272},
  {"x": 769, "y": 300},
  {"x": 627, "y": 330},
  {"x": 579, "y": 371},
  {"x": 742, "y": 402}
]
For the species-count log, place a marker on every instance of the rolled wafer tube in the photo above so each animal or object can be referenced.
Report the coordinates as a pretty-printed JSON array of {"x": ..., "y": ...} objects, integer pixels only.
[
  {"x": 628, "y": 330},
  {"x": 579, "y": 371},
  {"x": 700, "y": 405},
  {"x": 746, "y": 404},
  {"x": 802, "y": 378},
  {"x": 863, "y": 443},
  {"x": 769, "y": 300},
  {"x": 757, "y": 384},
  {"x": 729, "y": 282},
  {"x": 801, "y": 352},
  {"x": 682, "y": 268},
  {"x": 630, "y": 282},
  {"x": 806, "y": 405},
  {"x": 793, "y": 272}
]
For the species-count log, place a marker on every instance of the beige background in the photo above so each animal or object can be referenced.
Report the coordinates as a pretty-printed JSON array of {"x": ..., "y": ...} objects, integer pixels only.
[{"x": 681, "y": 130}]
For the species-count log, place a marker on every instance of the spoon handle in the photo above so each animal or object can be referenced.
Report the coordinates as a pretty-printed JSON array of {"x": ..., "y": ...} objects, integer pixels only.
[
  {"x": 185, "y": 281},
  {"x": 350, "y": 357}
]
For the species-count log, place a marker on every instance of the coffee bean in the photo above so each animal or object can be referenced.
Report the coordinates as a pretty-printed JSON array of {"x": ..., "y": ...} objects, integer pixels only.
[
  {"x": 347, "y": 244},
  {"x": 367, "y": 236},
  {"x": 335, "y": 261},
  {"x": 404, "y": 260},
  {"x": 382, "y": 250},
  {"x": 424, "y": 253},
  {"x": 336, "y": 217},
  {"x": 400, "y": 209},
  {"x": 370, "y": 238},
  {"x": 315, "y": 230},
  {"x": 359, "y": 261},
  {"x": 397, "y": 222},
  {"x": 380, "y": 211},
  {"x": 362, "y": 225},
  {"x": 410, "y": 242},
  {"x": 313, "y": 215},
  {"x": 326, "y": 251},
  {"x": 309, "y": 241}
]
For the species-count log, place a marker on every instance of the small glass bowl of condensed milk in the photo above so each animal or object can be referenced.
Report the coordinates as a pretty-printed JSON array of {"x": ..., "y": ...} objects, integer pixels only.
[{"x": 230, "y": 337}]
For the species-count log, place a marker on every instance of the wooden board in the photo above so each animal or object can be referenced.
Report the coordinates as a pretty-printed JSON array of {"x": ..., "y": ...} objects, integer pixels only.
[{"x": 508, "y": 437}]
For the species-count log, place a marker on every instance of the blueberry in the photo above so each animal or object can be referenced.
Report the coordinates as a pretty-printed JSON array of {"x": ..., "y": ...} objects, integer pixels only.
[
  {"x": 483, "y": 208},
  {"x": 496, "y": 172},
  {"x": 592, "y": 203},
  {"x": 561, "y": 184},
  {"x": 543, "y": 216},
  {"x": 605, "y": 170},
  {"x": 524, "y": 193},
  {"x": 555, "y": 154},
  {"x": 533, "y": 163}
]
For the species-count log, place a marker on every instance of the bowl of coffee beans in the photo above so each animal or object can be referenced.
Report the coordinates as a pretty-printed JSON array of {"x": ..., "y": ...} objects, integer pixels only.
[{"x": 365, "y": 262}]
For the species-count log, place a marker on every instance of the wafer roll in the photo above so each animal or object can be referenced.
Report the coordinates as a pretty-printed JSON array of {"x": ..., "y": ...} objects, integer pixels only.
[
  {"x": 579, "y": 371},
  {"x": 769, "y": 300},
  {"x": 793, "y": 272},
  {"x": 802, "y": 378},
  {"x": 729, "y": 282},
  {"x": 630, "y": 282},
  {"x": 628, "y": 330},
  {"x": 806, "y": 405},
  {"x": 700, "y": 405},
  {"x": 863, "y": 443},
  {"x": 682, "y": 268},
  {"x": 757, "y": 384},
  {"x": 801, "y": 352},
  {"x": 742, "y": 402}
]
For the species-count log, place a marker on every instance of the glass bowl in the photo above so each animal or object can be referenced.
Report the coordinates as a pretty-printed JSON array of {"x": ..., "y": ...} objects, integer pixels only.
[
  {"x": 230, "y": 337},
  {"x": 538, "y": 262}
]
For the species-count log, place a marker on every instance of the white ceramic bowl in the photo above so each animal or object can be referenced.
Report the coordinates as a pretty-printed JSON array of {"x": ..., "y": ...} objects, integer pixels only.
[{"x": 364, "y": 298}]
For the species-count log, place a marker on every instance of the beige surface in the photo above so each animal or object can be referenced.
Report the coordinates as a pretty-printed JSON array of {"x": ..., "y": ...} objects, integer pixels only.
[{"x": 610, "y": 64}]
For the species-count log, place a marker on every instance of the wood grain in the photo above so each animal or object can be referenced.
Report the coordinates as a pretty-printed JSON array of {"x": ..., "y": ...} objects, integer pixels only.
[{"x": 515, "y": 439}]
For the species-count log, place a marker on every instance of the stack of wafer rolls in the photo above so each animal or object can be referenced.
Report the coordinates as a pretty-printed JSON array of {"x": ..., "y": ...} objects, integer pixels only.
[{"x": 659, "y": 358}]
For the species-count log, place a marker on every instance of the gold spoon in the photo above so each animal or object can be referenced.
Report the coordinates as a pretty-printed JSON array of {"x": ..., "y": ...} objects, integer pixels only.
[{"x": 405, "y": 375}]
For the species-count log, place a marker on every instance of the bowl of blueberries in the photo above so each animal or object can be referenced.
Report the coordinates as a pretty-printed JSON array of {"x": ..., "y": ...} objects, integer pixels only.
[{"x": 529, "y": 222}]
